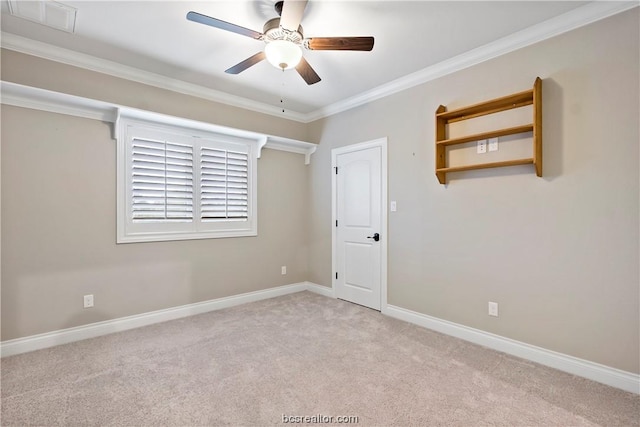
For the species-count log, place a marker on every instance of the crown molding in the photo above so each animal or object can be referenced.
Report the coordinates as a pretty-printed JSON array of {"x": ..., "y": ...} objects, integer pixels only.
[
  {"x": 560, "y": 24},
  {"x": 88, "y": 62},
  {"x": 568, "y": 21}
]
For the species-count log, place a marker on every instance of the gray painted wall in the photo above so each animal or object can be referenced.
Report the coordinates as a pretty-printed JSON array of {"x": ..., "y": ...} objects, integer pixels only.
[
  {"x": 37, "y": 72},
  {"x": 559, "y": 253},
  {"x": 59, "y": 213}
]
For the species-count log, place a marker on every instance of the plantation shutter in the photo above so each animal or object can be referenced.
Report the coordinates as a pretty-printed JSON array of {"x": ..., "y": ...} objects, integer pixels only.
[
  {"x": 178, "y": 183},
  {"x": 224, "y": 182},
  {"x": 162, "y": 181}
]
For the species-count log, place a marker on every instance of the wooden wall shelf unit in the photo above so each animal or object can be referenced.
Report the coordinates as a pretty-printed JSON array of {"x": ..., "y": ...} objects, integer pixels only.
[{"x": 517, "y": 100}]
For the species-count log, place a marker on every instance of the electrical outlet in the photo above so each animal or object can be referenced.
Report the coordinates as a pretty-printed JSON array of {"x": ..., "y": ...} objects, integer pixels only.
[
  {"x": 394, "y": 206},
  {"x": 482, "y": 146},
  {"x": 493, "y": 144},
  {"x": 284, "y": 270},
  {"x": 493, "y": 309},
  {"x": 88, "y": 301}
]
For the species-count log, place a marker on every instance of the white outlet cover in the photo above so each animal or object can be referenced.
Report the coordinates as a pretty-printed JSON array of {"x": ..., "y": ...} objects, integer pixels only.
[
  {"x": 482, "y": 146},
  {"x": 493, "y": 144},
  {"x": 493, "y": 309},
  {"x": 394, "y": 207},
  {"x": 88, "y": 301}
]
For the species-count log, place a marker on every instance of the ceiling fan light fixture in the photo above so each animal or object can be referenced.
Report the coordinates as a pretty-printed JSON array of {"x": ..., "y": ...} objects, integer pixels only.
[
  {"x": 284, "y": 40},
  {"x": 283, "y": 54}
]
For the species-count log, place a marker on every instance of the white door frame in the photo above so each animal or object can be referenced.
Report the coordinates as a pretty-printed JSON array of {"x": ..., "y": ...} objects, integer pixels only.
[{"x": 382, "y": 143}]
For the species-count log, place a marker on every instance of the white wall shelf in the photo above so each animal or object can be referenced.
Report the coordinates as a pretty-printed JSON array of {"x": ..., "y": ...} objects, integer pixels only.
[{"x": 62, "y": 103}]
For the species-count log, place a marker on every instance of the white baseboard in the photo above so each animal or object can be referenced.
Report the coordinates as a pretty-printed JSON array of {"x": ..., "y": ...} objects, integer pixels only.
[
  {"x": 594, "y": 371},
  {"x": 604, "y": 374},
  {"x": 64, "y": 336},
  {"x": 321, "y": 290}
]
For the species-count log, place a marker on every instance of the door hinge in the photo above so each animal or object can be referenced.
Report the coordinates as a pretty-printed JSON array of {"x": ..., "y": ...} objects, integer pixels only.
[
  {"x": 336, "y": 274},
  {"x": 336, "y": 168},
  {"x": 336, "y": 222}
]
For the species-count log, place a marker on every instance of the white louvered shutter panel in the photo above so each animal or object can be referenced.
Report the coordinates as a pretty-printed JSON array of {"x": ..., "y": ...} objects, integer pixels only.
[
  {"x": 162, "y": 181},
  {"x": 224, "y": 182},
  {"x": 181, "y": 183}
]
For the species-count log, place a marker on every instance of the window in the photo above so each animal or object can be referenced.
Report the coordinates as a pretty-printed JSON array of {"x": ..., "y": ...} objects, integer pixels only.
[{"x": 177, "y": 182}]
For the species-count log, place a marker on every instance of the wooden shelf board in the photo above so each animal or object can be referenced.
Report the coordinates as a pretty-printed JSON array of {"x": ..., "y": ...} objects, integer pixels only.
[
  {"x": 516, "y": 100},
  {"x": 487, "y": 135},
  {"x": 528, "y": 161}
]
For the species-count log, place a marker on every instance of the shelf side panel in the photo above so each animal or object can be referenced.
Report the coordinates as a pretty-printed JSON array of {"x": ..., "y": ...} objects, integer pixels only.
[
  {"x": 441, "y": 160},
  {"x": 537, "y": 126}
]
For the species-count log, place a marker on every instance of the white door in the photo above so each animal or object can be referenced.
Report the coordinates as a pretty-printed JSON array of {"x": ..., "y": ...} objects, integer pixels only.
[{"x": 360, "y": 229}]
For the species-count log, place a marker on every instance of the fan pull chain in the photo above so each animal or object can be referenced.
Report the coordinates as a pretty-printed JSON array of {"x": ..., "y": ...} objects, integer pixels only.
[{"x": 282, "y": 92}]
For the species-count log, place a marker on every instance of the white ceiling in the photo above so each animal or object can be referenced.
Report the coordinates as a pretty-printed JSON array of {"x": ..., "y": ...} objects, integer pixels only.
[{"x": 410, "y": 36}]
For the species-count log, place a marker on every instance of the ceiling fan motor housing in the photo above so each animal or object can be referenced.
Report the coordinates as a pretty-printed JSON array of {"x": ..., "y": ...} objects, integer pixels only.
[{"x": 272, "y": 31}]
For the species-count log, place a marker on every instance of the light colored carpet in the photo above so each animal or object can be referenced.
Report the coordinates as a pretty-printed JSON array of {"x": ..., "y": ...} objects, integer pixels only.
[{"x": 304, "y": 355}]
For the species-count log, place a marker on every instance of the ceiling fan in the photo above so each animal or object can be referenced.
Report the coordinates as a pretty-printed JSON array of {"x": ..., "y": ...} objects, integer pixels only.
[{"x": 284, "y": 40}]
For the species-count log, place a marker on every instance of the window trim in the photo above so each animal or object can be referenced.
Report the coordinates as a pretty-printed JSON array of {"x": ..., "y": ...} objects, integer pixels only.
[{"x": 130, "y": 122}]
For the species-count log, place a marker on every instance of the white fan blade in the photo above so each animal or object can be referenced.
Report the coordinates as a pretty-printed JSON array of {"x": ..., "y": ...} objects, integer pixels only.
[{"x": 292, "y": 11}]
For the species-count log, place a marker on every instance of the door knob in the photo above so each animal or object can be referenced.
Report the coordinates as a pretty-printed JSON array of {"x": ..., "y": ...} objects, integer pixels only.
[{"x": 375, "y": 237}]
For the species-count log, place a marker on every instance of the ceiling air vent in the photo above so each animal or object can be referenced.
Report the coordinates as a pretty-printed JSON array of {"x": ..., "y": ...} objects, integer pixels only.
[{"x": 46, "y": 12}]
